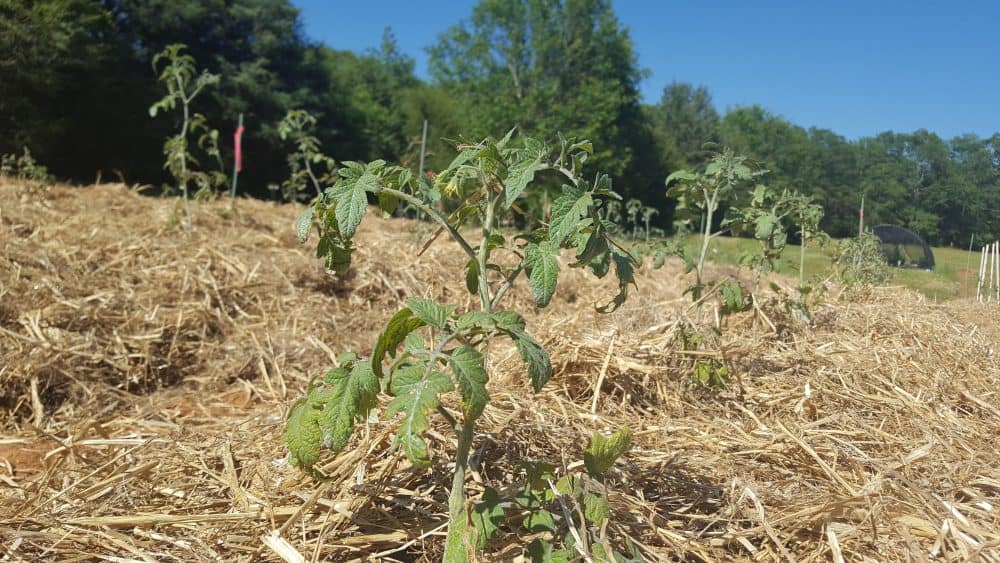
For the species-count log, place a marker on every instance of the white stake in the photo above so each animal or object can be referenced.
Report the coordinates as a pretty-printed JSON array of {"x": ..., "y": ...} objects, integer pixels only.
[
  {"x": 982, "y": 272},
  {"x": 996, "y": 268},
  {"x": 981, "y": 278},
  {"x": 988, "y": 274}
]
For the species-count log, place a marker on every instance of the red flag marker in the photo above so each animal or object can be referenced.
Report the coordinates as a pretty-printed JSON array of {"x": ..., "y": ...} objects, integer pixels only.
[
  {"x": 237, "y": 156},
  {"x": 238, "y": 143}
]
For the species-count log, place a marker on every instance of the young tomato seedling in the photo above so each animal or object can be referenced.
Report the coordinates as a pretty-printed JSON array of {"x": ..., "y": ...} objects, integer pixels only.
[
  {"x": 184, "y": 83},
  {"x": 418, "y": 372}
]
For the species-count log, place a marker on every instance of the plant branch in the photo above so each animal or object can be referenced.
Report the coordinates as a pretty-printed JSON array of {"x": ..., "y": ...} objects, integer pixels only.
[
  {"x": 448, "y": 418},
  {"x": 436, "y": 217},
  {"x": 484, "y": 251},
  {"x": 315, "y": 181},
  {"x": 566, "y": 172},
  {"x": 508, "y": 282}
]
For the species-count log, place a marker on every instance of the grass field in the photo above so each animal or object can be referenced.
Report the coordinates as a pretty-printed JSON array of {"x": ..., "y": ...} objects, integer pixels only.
[{"x": 953, "y": 277}]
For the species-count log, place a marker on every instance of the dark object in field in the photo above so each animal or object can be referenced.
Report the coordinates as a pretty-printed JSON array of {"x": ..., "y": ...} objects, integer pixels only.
[{"x": 903, "y": 248}]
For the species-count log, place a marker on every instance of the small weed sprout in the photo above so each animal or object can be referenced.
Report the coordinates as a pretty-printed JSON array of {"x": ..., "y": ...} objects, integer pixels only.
[
  {"x": 308, "y": 165},
  {"x": 571, "y": 510},
  {"x": 429, "y": 349},
  {"x": 184, "y": 83}
]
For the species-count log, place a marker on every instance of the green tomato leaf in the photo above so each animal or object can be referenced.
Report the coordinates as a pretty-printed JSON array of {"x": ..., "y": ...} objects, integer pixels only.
[
  {"x": 682, "y": 175},
  {"x": 351, "y": 394},
  {"x": 542, "y": 551},
  {"x": 601, "y": 452},
  {"x": 335, "y": 252},
  {"x": 594, "y": 251},
  {"x": 430, "y": 312},
  {"x": 399, "y": 326},
  {"x": 540, "y": 520},
  {"x": 531, "y": 352},
  {"x": 487, "y": 516},
  {"x": 519, "y": 175},
  {"x": 414, "y": 343},
  {"x": 472, "y": 276},
  {"x": 477, "y": 320},
  {"x": 351, "y": 206},
  {"x": 387, "y": 202},
  {"x": 470, "y": 375},
  {"x": 304, "y": 223},
  {"x": 302, "y": 433},
  {"x": 543, "y": 271},
  {"x": 539, "y": 364},
  {"x": 568, "y": 211},
  {"x": 596, "y": 508},
  {"x": 625, "y": 271},
  {"x": 416, "y": 389},
  {"x": 765, "y": 226}
]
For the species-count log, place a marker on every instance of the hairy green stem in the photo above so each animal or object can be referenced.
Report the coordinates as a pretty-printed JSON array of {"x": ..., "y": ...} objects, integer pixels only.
[
  {"x": 706, "y": 234},
  {"x": 506, "y": 285},
  {"x": 437, "y": 218},
  {"x": 567, "y": 173},
  {"x": 315, "y": 181},
  {"x": 483, "y": 256},
  {"x": 802, "y": 258},
  {"x": 457, "y": 529},
  {"x": 184, "y": 132},
  {"x": 458, "y": 526}
]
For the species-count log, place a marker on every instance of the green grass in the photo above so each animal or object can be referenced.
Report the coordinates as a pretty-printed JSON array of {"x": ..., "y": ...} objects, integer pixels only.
[{"x": 949, "y": 280}]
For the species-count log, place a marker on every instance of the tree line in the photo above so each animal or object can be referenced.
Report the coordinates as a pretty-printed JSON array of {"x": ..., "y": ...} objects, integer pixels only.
[{"x": 78, "y": 79}]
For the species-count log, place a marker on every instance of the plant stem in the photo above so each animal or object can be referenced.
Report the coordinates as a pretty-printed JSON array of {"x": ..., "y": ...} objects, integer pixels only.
[
  {"x": 457, "y": 529},
  {"x": 483, "y": 257},
  {"x": 802, "y": 258},
  {"x": 706, "y": 234},
  {"x": 458, "y": 526},
  {"x": 184, "y": 132},
  {"x": 315, "y": 181},
  {"x": 437, "y": 218},
  {"x": 506, "y": 285}
]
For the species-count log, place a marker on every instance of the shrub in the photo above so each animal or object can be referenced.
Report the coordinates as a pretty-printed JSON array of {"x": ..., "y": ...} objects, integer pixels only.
[
  {"x": 860, "y": 262},
  {"x": 24, "y": 167}
]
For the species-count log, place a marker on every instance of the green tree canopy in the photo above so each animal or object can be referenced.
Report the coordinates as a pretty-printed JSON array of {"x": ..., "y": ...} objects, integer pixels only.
[{"x": 546, "y": 65}]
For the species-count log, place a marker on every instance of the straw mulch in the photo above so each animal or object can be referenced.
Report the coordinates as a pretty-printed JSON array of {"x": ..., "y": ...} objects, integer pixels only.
[{"x": 145, "y": 371}]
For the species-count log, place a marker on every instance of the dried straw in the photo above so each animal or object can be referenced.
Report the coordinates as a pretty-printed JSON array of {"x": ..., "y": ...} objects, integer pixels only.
[{"x": 145, "y": 370}]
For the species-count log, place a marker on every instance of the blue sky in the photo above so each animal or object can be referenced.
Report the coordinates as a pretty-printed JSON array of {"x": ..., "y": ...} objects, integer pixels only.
[{"x": 856, "y": 67}]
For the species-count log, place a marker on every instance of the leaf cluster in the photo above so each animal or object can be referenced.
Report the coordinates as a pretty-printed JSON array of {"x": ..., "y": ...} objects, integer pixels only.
[
  {"x": 860, "y": 262},
  {"x": 24, "y": 167},
  {"x": 769, "y": 218},
  {"x": 567, "y": 513}
]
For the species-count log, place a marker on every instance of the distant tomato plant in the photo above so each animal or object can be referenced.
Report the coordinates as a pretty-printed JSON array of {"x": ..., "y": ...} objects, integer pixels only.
[{"x": 178, "y": 73}]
